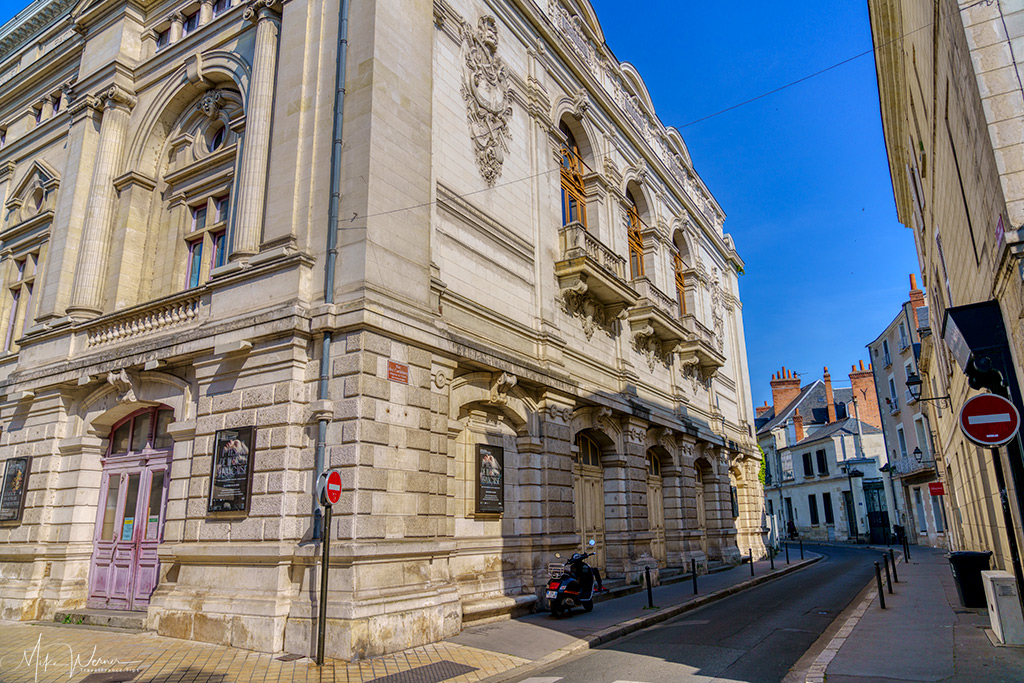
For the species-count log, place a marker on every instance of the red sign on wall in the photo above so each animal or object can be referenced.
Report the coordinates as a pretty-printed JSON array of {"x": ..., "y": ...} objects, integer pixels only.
[
  {"x": 935, "y": 488},
  {"x": 398, "y": 372}
]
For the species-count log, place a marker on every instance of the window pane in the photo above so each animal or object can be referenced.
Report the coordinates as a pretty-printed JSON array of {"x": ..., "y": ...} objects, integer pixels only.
[
  {"x": 110, "y": 511},
  {"x": 28, "y": 309},
  {"x": 198, "y": 217},
  {"x": 222, "y": 205},
  {"x": 937, "y": 513},
  {"x": 156, "y": 495},
  {"x": 219, "y": 254},
  {"x": 15, "y": 295},
  {"x": 140, "y": 434},
  {"x": 131, "y": 499},
  {"x": 119, "y": 441},
  {"x": 163, "y": 439},
  {"x": 195, "y": 263}
]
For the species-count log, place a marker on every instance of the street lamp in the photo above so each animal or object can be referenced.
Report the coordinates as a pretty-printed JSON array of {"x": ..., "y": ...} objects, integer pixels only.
[{"x": 914, "y": 384}]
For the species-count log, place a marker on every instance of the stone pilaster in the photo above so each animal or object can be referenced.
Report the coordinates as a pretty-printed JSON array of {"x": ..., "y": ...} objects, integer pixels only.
[
  {"x": 625, "y": 490},
  {"x": 94, "y": 250},
  {"x": 252, "y": 181}
]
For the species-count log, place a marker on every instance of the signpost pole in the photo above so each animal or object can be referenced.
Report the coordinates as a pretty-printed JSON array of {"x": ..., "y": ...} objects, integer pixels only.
[{"x": 321, "y": 625}]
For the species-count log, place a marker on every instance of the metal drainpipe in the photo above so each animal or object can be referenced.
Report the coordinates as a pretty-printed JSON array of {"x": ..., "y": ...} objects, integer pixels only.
[{"x": 332, "y": 245}]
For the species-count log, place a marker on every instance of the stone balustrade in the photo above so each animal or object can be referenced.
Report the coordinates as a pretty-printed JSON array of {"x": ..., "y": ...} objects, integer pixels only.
[
  {"x": 576, "y": 241},
  {"x": 162, "y": 314}
]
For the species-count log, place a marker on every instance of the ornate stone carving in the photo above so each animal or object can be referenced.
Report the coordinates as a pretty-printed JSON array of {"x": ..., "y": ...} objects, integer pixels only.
[
  {"x": 559, "y": 413},
  {"x": 440, "y": 379},
  {"x": 717, "y": 315},
  {"x": 580, "y": 103},
  {"x": 690, "y": 369},
  {"x": 211, "y": 103},
  {"x": 500, "y": 385},
  {"x": 636, "y": 435},
  {"x": 259, "y": 9},
  {"x": 604, "y": 417},
  {"x": 575, "y": 301},
  {"x": 115, "y": 95},
  {"x": 122, "y": 383},
  {"x": 487, "y": 90},
  {"x": 647, "y": 344}
]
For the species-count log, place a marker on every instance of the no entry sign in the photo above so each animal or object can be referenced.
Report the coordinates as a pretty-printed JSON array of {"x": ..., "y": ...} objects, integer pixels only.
[
  {"x": 989, "y": 420},
  {"x": 329, "y": 488}
]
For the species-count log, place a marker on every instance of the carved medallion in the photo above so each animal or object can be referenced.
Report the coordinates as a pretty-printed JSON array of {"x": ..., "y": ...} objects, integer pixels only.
[{"x": 488, "y": 94}]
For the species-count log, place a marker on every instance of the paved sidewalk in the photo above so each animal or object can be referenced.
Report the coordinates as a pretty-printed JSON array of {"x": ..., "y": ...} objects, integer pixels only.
[
  {"x": 924, "y": 634},
  {"x": 48, "y": 653}
]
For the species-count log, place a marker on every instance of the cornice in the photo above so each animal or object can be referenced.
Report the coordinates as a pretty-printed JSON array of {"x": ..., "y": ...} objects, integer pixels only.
[{"x": 21, "y": 29}]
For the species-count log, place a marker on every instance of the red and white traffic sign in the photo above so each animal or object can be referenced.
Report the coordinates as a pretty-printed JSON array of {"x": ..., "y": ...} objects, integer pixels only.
[
  {"x": 328, "y": 487},
  {"x": 989, "y": 420}
]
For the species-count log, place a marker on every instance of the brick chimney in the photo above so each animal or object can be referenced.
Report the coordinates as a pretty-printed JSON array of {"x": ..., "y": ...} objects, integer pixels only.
[
  {"x": 785, "y": 387},
  {"x": 863, "y": 382},
  {"x": 761, "y": 410},
  {"x": 916, "y": 299},
  {"x": 798, "y": 425},
  {"x": 829, "y": 398}
]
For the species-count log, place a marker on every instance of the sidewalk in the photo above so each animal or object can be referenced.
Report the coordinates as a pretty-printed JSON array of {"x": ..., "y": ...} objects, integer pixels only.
[
  {"x": 924, "y": 634},
  {"x": 47, "y": 653}
]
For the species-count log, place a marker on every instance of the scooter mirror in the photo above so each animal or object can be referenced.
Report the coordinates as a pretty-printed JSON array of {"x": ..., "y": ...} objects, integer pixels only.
[{"x": 591, "y": 543}]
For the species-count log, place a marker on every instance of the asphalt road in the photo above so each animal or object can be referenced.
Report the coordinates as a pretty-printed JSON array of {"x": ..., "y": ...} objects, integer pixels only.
[{"x": 756, "y": 635}]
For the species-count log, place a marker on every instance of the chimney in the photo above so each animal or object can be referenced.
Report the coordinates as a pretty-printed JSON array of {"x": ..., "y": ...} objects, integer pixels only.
[
  {"x": 829, "y": 398},
  {"x": 798, "y": 425},
  {"x": 863, "y": 383},
  {"x": 761, "y": 410},
  {"x": 785, "y": 387},
  {"x": 916, "y": 299}
]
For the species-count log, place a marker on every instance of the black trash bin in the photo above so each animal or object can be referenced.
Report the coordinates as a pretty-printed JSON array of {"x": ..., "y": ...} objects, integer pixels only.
[{"x": 967, "y": 568}]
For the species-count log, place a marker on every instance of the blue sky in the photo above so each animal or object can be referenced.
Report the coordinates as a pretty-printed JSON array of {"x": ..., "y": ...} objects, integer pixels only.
[{"x": 801, "y": 174}]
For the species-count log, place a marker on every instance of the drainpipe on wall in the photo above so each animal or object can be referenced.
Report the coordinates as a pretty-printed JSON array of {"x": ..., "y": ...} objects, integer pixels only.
[{"x": 333, "y": 213}]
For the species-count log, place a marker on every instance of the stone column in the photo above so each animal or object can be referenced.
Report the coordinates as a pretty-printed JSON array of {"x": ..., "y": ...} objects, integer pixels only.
[
  {"x": 94, "y": 249},
  {"x": 247, "y": 230}
]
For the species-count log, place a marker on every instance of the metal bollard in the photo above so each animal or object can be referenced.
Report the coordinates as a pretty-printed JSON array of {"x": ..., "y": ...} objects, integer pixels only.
[
  {"x": 751, "y": 561},
  {"x": 787, "y": 552},
  {"x": 888, "y": 579},
  {"x": 906, "y": 549},
  {"x": 892, "y": 559},
  {"x": 650, "y": 595},
  {"x": 801, "y": 548},
  {"x": 693, "y": 570},
  {"x": 878, "y": 578},
  {"x": 771, "y": 557}
]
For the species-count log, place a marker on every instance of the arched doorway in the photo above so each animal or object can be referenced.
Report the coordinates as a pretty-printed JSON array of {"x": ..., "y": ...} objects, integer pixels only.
[
  {"x": 703, "y": 473},
  {"x": 588, "y": 491},
  {"x": 130, "y": 519},
  {"x": 656, "y": 508}
]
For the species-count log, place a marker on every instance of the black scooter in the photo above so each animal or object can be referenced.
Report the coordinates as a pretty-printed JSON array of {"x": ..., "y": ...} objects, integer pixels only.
[{"x": 571, "y": 585}]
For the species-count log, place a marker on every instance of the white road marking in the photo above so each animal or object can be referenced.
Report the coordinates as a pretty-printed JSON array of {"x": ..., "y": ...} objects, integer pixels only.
[{"x": 541, "y": 680}]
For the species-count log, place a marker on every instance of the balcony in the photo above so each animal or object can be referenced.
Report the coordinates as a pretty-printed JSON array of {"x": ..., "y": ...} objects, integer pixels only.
[
  {"x": 910, "y": 397},
  {"x": 655, "y": 316},
  {"x": 590, "y": 270},
  {"x": 904, "y": 343},
  {"x": 700, "y": 347},
  {"x": 894, "y": 405},
  {"x": 172, "y": 312},
  {"x": 906, "y": 466}
]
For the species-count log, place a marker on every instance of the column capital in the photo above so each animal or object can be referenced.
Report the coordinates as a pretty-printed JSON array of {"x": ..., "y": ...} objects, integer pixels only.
[
  {"x": 84, "y": 103},
  {"x": 116, "y": 96},
  {"x": 6, "y": 169},
  {"x": 262, "y": 9},
  {"x": 177, "y": 17}
]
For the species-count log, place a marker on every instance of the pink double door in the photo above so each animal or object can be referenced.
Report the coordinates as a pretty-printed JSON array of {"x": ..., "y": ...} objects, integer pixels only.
[{"x": 129, "y": 526}]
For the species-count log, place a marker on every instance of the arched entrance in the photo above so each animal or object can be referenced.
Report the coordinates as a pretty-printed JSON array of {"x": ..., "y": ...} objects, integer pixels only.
[
  {"x": 588, "y": 491},
  {"x": 703, "y": 473},
  {"x": 130, "y": 520},
  {"x": 656, "y": 508}
]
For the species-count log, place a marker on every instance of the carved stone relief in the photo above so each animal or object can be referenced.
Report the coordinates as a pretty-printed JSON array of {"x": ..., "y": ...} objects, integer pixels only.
[
  {"x": 647, "y": 344},
  {"x": 487, "y": 90},
  {"x": 576, "y": 302},
  {"x": 122, "y": 383},
  {"x": 717, "y": 315}
]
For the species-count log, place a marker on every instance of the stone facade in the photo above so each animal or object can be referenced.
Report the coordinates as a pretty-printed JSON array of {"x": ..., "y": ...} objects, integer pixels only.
[
  {"x": 952, "y": 111},
  {"x": 167, "y": 173}
]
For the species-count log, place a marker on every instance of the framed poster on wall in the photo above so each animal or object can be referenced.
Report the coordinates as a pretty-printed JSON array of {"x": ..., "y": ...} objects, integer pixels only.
[
  {"x": 490, "y": 478},
  {"x": 231, "y": 477},
  {"x": 13, "y": 488}
]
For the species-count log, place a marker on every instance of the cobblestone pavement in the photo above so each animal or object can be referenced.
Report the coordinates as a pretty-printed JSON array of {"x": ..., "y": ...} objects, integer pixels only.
[{"x": 40, "y": 653}]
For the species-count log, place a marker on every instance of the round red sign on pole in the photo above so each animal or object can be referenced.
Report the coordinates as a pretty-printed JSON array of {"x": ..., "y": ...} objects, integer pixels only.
[
  {"x": 329, "y": 487},
  {"x": 989, "y": 420}
]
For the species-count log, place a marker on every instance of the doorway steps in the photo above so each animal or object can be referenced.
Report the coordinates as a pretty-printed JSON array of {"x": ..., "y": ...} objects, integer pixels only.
[{"x": 121, "y": 620}]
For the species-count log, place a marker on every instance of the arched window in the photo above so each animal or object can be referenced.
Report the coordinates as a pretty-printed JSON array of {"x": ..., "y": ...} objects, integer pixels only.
[
  {"x": 589, "y": 453},
  {"x": 145, "y": 430},
  {"x": 636, "y": 238},
  {"x": 680, "y": 267},
  {"x": 574, "y": 202},
  {"x": 653, "y": 465},
  {"x": 197, "y": 179}
]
